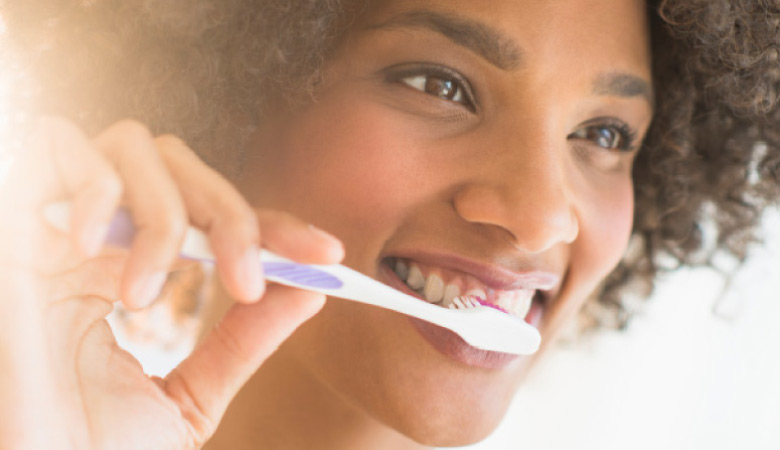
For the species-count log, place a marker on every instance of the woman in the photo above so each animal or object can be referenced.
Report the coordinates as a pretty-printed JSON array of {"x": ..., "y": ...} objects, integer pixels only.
[{"x": 449, "y": 147}]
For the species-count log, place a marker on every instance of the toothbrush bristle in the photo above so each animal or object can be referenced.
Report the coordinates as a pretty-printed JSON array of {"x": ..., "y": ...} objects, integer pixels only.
[{"x": 475, "y": 301}]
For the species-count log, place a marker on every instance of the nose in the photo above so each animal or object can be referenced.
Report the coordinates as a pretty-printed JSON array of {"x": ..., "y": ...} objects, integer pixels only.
[{"x": 526, "y": 194}]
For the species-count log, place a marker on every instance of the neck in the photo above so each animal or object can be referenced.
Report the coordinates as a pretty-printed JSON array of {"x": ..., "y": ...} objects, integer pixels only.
[{"x": 284, "y": 406}]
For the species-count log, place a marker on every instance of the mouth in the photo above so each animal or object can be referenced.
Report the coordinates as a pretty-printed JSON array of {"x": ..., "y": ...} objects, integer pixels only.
[{"x": 453, "y": 289}]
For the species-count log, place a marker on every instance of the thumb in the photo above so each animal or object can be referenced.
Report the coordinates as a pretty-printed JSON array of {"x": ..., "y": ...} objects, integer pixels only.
[{"x": 204, "y": 384}]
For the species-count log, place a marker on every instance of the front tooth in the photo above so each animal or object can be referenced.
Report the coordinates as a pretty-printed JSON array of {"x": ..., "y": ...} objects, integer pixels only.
[
  {"x": 401, "y": 269},
  {"x": 508, "y": 301},
  {"x": 415, "y": 279},
  {"x": 523, "y": 303},
  {"x": 434, "y": 288},
  {"x": 450, "y": 292}
]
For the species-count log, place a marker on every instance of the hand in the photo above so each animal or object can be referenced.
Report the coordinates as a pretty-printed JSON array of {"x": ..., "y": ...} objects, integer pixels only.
[{"x": 64, "y": 383}]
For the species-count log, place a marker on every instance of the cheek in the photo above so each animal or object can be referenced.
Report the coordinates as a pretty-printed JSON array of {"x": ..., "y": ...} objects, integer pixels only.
[
  {"x": 605, "y": 228},
  {"x": 357, "y": 172}
]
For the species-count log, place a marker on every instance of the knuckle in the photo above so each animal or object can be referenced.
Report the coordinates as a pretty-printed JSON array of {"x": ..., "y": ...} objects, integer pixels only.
[
  {"x": 133, "y": 129},
  {"x": 129, "y": 134},
  {"x": 171, "y": 142}
]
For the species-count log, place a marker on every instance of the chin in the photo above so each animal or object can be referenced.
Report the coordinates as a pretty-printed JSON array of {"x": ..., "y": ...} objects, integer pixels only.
[
  {"x": 375, "y": 361},
  {"x": 454, "y": 433}
]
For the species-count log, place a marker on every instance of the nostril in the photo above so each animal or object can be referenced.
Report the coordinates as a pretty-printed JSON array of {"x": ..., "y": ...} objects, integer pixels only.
[
  {"x": 536, "y": 216},
  {"x": 574, "y": 227}
]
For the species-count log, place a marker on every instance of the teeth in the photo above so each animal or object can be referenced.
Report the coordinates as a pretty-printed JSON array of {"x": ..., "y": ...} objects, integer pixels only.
[
  {"x": 518, "y": 303},
  {"x": 401, "y": 270},
  {"x": 434, "y": 288},
  {"x": 450, "y": 292},
  {"x": 415, "y": 279},
  {"x": 523, "y": 303}
]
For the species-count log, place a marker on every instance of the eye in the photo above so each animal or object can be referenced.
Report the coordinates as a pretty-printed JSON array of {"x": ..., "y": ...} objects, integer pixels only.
[
  {"x": 438, "y": 81},
  {"x": 444, "y": 88},
  {"x": 612, "y": 135}
]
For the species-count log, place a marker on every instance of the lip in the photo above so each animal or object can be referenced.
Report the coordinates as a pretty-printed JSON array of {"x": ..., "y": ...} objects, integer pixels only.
[
  {"x": 493, "y": 276},
  {"x": 448, "y": 342}
]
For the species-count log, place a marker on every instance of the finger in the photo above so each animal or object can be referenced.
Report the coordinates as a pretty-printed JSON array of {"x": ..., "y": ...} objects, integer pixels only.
[
  {"x": 216, "y": 207},
  {"x": 204, "y": 384},
  {"x": 61, "y": 163},
  {"x": 88, "y": 178},
  {"x": 156, "y": 206},
  {"x": 293, "y": 238},
  {"x": 26, "y": 387}
]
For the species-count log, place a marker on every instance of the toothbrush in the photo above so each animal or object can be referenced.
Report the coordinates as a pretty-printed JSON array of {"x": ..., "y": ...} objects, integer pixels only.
[{"x": 482, "y": 327}]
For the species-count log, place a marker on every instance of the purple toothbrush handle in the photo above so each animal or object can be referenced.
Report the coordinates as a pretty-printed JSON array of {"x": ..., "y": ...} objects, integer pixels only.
[
  {"x": 302, "y": 275},
  {"x": 122, "y": 230}
]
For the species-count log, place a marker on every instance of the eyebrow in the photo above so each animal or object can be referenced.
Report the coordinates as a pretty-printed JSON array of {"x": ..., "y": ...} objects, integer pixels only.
[
  {"x": 625, "y": 85},
  {"x": 499, "y": 50},
  {"x": 481, "y": 39}
]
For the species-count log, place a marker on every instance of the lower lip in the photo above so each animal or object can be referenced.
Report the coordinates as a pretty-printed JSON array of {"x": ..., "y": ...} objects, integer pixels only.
[{"x": 448, "y": 342}]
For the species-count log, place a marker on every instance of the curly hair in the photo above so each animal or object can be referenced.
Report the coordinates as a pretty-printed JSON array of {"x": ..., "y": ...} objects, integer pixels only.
[{"x": 207, "y": 71}]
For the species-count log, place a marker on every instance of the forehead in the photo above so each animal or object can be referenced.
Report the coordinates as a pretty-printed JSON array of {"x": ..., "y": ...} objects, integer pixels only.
[{"x": 562, "y": 33}]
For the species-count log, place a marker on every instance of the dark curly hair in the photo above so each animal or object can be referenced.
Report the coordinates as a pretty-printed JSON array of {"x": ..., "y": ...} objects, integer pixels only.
[{"x": 207, "y": 71}]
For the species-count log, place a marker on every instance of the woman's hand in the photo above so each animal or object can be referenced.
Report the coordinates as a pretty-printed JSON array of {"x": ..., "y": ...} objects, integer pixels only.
[{"x": 64, "y": 383}]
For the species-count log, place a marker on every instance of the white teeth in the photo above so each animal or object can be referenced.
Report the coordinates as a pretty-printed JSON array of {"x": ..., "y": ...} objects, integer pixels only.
[
  {"x": 450, "y": 292},
  {"x": 401, "y": 269},
  {"x": 434, "y": 288},
  {"x": 517, "y": 303},
  {"x": 416, "y": 279},
  {"x": 523, "y": 303}
]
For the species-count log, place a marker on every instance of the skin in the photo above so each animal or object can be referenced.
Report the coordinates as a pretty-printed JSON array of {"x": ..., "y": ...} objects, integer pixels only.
[{"x": 389, "y": 168}]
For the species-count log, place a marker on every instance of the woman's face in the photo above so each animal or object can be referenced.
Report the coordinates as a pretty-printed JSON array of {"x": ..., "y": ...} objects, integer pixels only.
[{"x": 486, "y": 146}]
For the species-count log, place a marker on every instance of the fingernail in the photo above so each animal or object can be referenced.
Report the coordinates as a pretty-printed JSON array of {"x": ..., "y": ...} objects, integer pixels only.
[
  {"x": 322, "y": 233},
  {"x": 146, "y": 291},
  {"x": 249, "y": 273},
  {"x": 93, "y": 237},
  {"x": 337, "y": 253}
]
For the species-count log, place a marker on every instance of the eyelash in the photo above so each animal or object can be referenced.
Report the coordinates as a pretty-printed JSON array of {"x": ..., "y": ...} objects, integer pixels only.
[
  {"x": 626, "y": 134},
  {"x": 425, "y": 72}
]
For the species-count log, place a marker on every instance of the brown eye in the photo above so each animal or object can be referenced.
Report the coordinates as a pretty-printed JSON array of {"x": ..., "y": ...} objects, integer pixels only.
[
  {"x": 441, "y": 87},
  {"x": 616, "y": 136},
  {"x": 603, "y": 137}
]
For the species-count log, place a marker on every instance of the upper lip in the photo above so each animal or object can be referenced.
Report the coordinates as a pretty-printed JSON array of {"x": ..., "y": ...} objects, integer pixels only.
[{"x": 494, "y": 276}]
